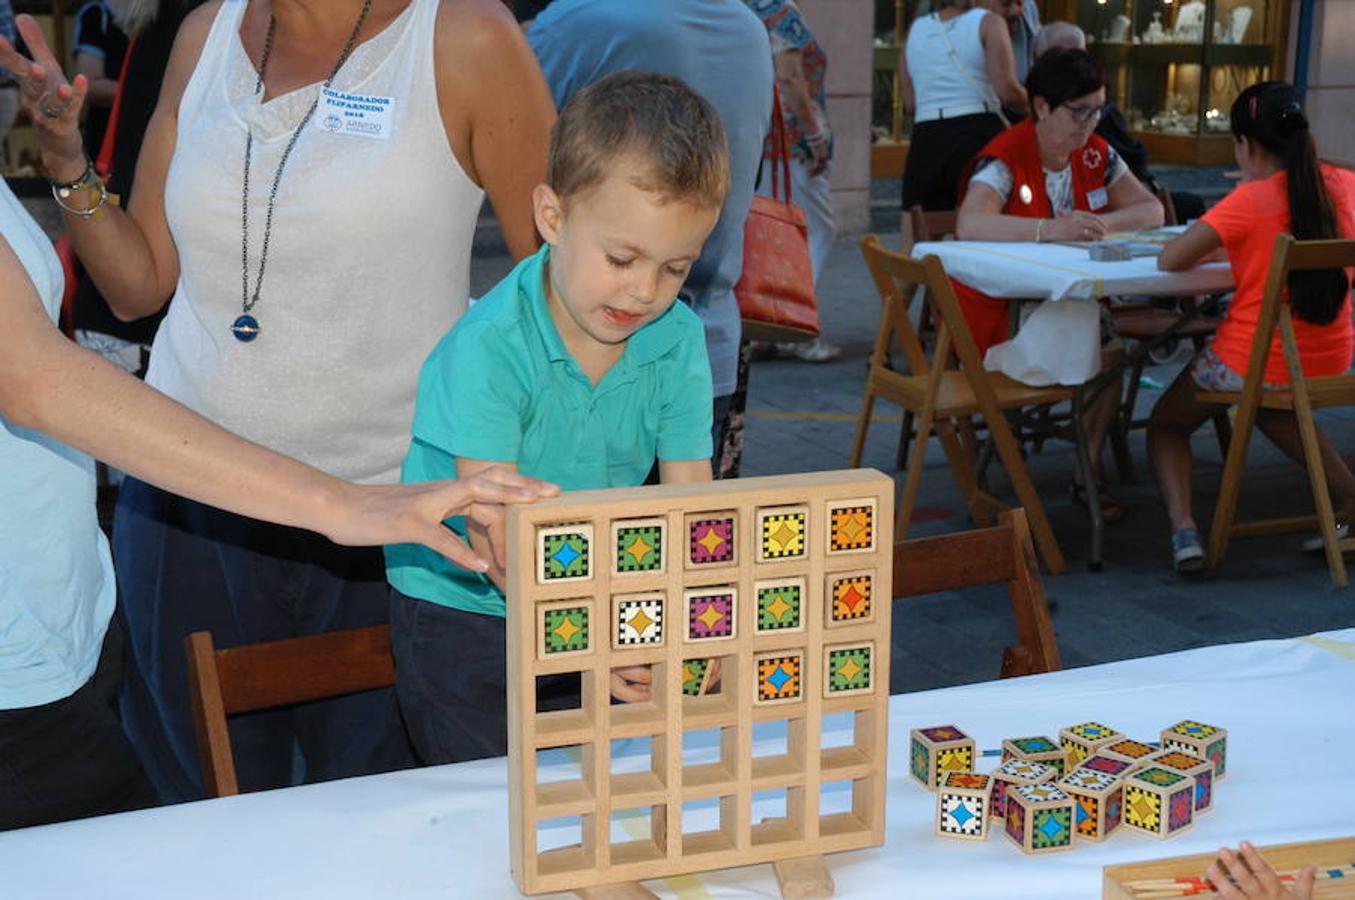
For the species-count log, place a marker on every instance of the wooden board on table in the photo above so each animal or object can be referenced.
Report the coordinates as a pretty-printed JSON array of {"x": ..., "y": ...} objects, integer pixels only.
[
  {"x": 1284, "y": 857},
  {"x": 764, "y": 574}
]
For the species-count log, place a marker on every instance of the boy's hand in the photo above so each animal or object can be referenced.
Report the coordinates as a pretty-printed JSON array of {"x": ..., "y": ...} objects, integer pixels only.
[
  {"x": 1245, "y": 875},
  {"x": 631, "y": 684}
]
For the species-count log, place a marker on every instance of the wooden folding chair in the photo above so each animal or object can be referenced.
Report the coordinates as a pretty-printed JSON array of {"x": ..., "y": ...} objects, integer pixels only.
[
  {"x": 222, "y": 683},
  {"x": 1004, "y": 553},
  {"x": 939, "y": 394},
  {"x": 1304, "y": 396},
  {"x": 1146, "y": 323}
]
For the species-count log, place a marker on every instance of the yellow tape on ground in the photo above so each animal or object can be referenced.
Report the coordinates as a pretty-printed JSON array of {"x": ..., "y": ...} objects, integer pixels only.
[{"x": 1340, "y": 648}]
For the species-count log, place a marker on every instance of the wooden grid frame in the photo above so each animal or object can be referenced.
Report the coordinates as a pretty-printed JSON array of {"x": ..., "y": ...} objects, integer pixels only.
[{"x": 667, "y": 849}]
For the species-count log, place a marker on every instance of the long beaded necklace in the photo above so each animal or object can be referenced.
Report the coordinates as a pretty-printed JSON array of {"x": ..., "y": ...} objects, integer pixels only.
[{"x": 246, "y": 327}]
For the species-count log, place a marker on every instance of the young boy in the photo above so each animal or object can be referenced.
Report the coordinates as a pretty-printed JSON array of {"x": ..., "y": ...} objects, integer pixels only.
[{"x": 578, "y": 368}]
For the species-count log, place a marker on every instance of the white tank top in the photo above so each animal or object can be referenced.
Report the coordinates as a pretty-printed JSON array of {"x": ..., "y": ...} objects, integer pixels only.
[
  {"x": 937, "y": 82},
  {"x": 368, "y": 264}
]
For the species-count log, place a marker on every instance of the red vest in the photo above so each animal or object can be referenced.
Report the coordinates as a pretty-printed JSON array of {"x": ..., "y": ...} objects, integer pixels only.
[{"x": 1019, "y": 150}]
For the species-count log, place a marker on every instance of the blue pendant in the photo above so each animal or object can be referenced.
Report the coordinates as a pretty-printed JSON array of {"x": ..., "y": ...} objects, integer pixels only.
[{"x": 245, "y": 328}]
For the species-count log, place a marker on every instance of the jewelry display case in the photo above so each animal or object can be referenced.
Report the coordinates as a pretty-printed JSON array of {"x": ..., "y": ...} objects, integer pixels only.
[{"x": 1174, "y": 67}]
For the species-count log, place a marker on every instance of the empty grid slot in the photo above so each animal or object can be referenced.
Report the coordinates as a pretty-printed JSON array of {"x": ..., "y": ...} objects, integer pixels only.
[
  {"x": 564, "y": 776},
  {"x": 638, "y": 834},
  {"x": 707, "y": 757},
  {"x": 847, "y": 741},
  {"x": 778, "y": 748},
  {"x": 564, "y": 844},
  {"x": 707, "y": 825},
  {"x": 859, "y": 814},
  {"x": 635, "y": 768},
  {"x": 644, "y": 696},
  {"x": 777, "y": 815},
  {"x": 560, "y": 703}
]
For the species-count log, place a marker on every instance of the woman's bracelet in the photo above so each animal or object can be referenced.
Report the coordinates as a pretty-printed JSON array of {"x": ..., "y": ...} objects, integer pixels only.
[
  {"x": 1039, "y": 227},
  {"x": 62, "y": 191}
]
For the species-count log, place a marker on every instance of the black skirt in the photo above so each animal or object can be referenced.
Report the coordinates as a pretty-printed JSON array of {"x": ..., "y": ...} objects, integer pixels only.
[{"x": 937, "y": 155}]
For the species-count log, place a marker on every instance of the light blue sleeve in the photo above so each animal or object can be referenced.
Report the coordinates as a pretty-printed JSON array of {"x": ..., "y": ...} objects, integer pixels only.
[
  {"x": 473, "y": 395},
  {"x": 688, "y": 398}
]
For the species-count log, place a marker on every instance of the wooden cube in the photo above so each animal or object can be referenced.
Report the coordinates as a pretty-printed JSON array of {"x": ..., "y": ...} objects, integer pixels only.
[
  {"x": 1202, "y": 770},
  {"x": 1035, "y": 749},
  {"x": 1081, "y": 741},
  {"x": 962, "y": 803},
  {"x": 937, "y": 750},
  {"x": 1098, "y": 802},
  {"x": 1159, "y": 801},
  {"x": 1039, "y": 818},
  {"x": 1108, "y": 765},
  {"x": 1016, "y": 773},
  {"x": 1135, "y": 753},
  {"x": 1198, "y": 739}
]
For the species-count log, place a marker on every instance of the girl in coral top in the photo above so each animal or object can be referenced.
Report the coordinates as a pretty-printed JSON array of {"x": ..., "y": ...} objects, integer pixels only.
[{"x": 1284, "y": 190}]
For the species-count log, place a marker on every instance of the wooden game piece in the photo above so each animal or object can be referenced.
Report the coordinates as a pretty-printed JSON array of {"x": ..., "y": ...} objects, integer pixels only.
[
  {"x": 595, "y": 584},
  {"x": 1039, "y": 818},
  {"x": 1202, "y": 770},
  {"x": 1159, "y": 801},
  {"x": 850, "y": 597},
  {"x": 1081, "y": 741},
  {"x": 1016, "y": 773},
  {"x": 963, "y": 805},
  {"x": 1035, "y": 749},
  {"x": 939, "y": 749},
  {"x": 1135, "y": 753},
  {"x": 1108, "y": 765},
  {"x": 1205, "y": 741},
  {"x": 804, "y": 878},
  {"x": 1098, "y": 802}
]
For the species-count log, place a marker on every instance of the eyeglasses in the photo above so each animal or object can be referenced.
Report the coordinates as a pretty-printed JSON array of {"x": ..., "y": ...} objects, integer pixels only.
[{"x": 1084, "y": 114}]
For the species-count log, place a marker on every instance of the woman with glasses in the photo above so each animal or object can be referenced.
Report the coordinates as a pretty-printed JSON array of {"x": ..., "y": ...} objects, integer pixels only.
[{"x": 1051, "y": 178}]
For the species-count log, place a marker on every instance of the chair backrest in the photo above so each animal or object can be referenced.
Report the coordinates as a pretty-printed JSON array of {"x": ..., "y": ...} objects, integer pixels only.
[
  {"x": 277, "y": 673},
  {"x": 1004, "y": 554},
  {"x": 896, "y": 278},
  {"x": 1164, "y": 197},
  {"x": 1288, "y": 256},
  {"x": 919, "y": 225}
]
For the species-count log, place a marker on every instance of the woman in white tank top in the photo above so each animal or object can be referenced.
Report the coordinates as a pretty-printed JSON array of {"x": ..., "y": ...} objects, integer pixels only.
[
  {"x": 956, "y": 71},
  {"x": 371, "y": 133}
]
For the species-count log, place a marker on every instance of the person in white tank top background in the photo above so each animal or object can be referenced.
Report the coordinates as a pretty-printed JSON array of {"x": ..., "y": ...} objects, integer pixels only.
[
  {"x": 343, "y": 149},
  {"x": 956, "y": 72}
]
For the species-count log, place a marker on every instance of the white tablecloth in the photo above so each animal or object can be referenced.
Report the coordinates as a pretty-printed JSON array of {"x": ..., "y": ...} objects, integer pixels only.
[
  {"x": 442, "y": 832},
  {"x": 1058, "y": 344}
]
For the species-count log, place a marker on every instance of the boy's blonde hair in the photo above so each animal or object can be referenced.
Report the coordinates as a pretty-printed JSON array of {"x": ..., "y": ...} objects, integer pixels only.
[{"x": 655, "y": 120}]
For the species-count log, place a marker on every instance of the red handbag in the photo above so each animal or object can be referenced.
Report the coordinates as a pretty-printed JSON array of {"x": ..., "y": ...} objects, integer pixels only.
[{"x": 776, "y": 290}]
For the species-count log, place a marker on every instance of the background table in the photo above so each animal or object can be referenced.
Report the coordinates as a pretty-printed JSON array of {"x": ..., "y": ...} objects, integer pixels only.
[
  {"x": 442, "y": 832},
  {"x": 1058, "y": 272}
]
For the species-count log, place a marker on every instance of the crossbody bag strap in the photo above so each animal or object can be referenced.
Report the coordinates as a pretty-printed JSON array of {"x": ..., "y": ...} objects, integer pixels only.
[{"x": 955, "y": 61}]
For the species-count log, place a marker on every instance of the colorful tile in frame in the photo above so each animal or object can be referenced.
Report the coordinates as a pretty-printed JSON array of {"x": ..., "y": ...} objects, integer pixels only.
[
  {"x": 782, "y": 532},
  {"x": 711, "y": 612},
  {"x": 639, "y": 620},
  {"x": 850, "y": 596},
  {"x": 639, "y": 545},
  {"x": 780, "y": 604},
  {"x": 851, "y": 526},
  {"x": 779, "y": 677},
  {"x": 849, "y": 669},
  {"x": 712, "y": 539},
  {"x": 564, "y": 553},
  {"x": 564, "y": 627}
]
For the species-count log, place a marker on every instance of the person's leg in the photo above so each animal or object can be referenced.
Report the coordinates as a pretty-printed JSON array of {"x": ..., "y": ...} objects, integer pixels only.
[
  {"x": 340, "y": 588},
  {"x": 1283, "y": 430},
  {"x": 813, "y": 194},
  {"x": 1175, "y": 417},
  {"x": 71, "y": 758},
  {"x": 185, "y": 567},
  {"x": 729, "y": 427}
]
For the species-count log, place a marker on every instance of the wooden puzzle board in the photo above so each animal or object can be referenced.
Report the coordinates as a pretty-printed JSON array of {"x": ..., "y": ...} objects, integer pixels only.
[
  {"x": 785, "y": 580},
  {"x": 1333, "y": 852}
]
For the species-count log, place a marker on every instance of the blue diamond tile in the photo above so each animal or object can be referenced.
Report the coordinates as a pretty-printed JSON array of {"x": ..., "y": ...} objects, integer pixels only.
[
  {"x": 961, "y": 815},
  {"x": 1051, "y": 828},
  {"x": 779, "y": 678},
  {"x": 566, "y": 555}
]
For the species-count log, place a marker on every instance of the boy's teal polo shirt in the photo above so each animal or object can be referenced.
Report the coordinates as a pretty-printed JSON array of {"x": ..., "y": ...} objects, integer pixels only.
[{"x": 501, "y": 387}]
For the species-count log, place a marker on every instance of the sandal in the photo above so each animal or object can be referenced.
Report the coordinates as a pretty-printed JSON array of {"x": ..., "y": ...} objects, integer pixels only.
[{"x": 1111, "y": 510}]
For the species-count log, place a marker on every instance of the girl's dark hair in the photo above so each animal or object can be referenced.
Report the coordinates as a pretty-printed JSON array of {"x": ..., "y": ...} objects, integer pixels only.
[
  {"x": 1270, "y": 114},
  {"x": 1062, "y": 74}
]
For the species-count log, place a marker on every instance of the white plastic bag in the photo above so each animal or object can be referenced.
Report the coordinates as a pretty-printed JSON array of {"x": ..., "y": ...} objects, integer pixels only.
[{"x": 1059, "y": 343}]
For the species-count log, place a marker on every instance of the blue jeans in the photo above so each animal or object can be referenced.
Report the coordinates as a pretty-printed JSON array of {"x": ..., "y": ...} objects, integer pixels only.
[{"x": 184, "y": 567}]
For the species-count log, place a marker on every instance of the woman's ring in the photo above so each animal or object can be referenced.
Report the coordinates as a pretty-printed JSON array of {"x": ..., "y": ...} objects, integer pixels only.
[{"x": 46, "y": 110}]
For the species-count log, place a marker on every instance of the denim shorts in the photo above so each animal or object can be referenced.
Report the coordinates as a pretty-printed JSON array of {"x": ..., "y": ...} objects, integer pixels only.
[{"x": 1213, "y": 374}]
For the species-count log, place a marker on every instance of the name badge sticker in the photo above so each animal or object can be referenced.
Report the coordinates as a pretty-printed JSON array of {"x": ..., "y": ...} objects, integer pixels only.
[
  {"x": 1097, "y": 199},
  {"x": 361, "y": 115}
]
